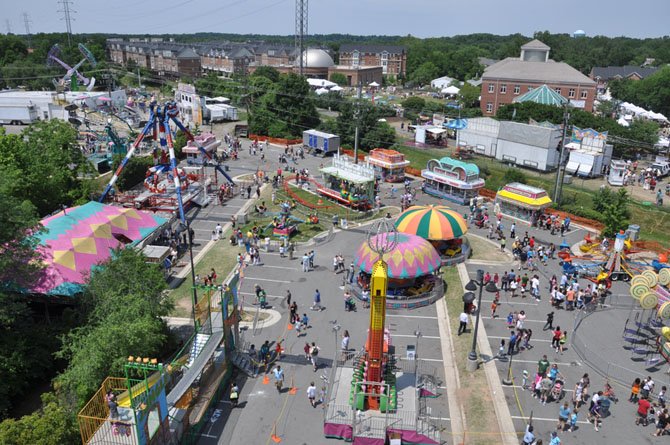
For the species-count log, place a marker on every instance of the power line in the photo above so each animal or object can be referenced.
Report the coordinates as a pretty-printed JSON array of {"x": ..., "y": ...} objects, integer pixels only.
[{"x": 68, "y": 19}]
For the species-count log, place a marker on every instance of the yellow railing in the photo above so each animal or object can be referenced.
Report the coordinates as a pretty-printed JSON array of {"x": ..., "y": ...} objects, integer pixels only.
[{"x": 96, "y": 411}]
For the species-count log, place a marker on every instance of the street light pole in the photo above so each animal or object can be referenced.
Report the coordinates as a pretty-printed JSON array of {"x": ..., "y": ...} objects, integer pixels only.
[
  {"x": 195, "y": 291},
  {"x": 559, "y": 170},
  {"x": 507, "y": 380},
  {"x": 471, "y": 364}
]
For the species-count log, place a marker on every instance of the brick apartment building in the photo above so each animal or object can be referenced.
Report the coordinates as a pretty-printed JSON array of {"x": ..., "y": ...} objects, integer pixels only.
[
  {"x": 392, "y": 58},
  {"x": 164, "y": 58},
  {"x": 605, "y": 74},
  {"x": 514, "y": 76}
]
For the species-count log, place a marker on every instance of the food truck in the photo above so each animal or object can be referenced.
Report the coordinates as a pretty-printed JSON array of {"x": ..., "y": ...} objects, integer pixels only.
[
  {"x": 452, "y": 180},
  {"x": 522, "y": 201},
  {"x": 389, "y": 164}
]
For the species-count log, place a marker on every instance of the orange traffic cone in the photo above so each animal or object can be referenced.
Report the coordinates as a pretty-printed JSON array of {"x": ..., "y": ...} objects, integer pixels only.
[
  {"x": 266, "y": 379},
  {"x": 290, "y": 326},
  {"x": 292, "y": 390},
  {"x": 274, "y": 437}
]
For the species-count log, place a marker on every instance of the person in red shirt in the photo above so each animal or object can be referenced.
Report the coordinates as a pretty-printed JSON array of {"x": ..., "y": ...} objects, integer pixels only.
[{"x": 643, "y": 406}]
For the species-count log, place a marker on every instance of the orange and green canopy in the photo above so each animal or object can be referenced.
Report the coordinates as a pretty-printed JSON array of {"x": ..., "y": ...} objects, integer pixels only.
[{"x": 433, "y": 222}]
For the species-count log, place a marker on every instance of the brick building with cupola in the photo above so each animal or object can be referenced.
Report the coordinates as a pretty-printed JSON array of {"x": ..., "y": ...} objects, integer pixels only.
[{"x": 511, "y": 77}]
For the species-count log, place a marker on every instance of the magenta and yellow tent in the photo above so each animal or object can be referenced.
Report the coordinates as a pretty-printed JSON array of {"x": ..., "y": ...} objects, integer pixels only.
[{"x": 79, "y": 238}]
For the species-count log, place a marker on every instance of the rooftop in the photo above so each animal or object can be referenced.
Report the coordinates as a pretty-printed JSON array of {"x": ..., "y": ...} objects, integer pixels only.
[
  {"x": 543, "y": 95},
  {"x": 351, "y": 47},
  {"x": 613, "y": 72},
  {"x": 513, "y": 68},
  {"x": 535, "y": 45}
]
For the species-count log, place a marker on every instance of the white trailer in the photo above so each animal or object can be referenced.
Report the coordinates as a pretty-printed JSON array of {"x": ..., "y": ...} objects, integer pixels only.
[
  {"x": 320, "y": 142},
  {"x": 18, "y": 114}
]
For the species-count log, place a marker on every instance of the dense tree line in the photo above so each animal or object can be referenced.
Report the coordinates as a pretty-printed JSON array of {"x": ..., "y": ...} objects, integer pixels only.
[{"x": 651, "y": 93}]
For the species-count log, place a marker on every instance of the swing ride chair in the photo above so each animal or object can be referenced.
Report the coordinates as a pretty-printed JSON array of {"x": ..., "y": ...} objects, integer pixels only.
[{"x": 158, "y": 126}]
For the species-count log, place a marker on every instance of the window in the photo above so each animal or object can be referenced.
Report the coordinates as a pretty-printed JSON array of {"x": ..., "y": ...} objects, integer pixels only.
[
  {"x": 558, "y": 90},
  {"x": 584, "y": 94},
  {"x": 489, "y": 107},
  {"x": 517, "y": 89},
  {"x": 355, "y": 56},
  {"x": 530, "y": 88},
  {"x": 503, "y": 88},
  {"x": 492, "y": 88},
  {"x": 571, "y": 93}
]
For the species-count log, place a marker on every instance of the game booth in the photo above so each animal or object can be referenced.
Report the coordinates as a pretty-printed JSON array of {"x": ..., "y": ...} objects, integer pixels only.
[
  {"x": 194, "y": 155},
  {"x": 522, "y": 201},
  {"x": 441, "y": 227},
  {"x": 389, "y": 165},
  {"x": 411, "y": 279},
  {"x": 348, "y": 183},
  {"x": 452, "y": 180}
]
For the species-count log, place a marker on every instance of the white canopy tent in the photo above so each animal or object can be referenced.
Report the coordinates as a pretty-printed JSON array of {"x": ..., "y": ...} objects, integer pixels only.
[
  {"x": 450, "y": 90},
  {"x": 321, "y": 91},
  {"x": 336, "y": 88},
  {"x": 323, "y": 83}
]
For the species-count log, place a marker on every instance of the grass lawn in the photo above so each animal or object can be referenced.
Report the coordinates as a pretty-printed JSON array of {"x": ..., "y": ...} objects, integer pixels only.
[
  {"x": 477, "y": 403},
  {"x": 483, "y": 250},
  {"x": 222, "y": 257}
]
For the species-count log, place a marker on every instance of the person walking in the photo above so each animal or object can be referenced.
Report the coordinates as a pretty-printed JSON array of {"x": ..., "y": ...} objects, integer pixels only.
[
  {"x": 643, "y": 407},
  {"x": 345, "y": 343},
  {"x": 317, "y": 301},
  {"x": 279, "y": 377},
  {"x": 288, "y": 297},
  {"x": 305, "y": 262},
  {"x": 314, "y": 355},
  {"x": 311, "y": 394},
  {"x": 556, "y": 338},
  {"x": 234, "y": 394},
  {"x": 462, "y": 322},
  {"x": 494, "y": 306}
]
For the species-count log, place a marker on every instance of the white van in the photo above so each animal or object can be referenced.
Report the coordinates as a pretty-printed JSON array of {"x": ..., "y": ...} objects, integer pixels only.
[{"x": 662, "y": 167}]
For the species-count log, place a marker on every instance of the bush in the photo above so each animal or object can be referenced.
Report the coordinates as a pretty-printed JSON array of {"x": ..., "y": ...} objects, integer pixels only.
[{"x": 514, "y": 175}]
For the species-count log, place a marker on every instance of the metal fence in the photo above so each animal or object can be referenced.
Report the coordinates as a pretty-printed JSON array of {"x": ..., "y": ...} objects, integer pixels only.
[{"x": 613, "y": 372}]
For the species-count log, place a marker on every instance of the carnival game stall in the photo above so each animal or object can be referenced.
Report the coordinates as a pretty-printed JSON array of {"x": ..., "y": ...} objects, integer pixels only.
[
  {"x": 208, "y": 142},
  {"x": 348, "y": 183},
  {"x": 389, "y": 165},
  {"x": 439, "y": 225},
  {"x": 412, "y": 264},
  {"x": 522, "y": 201},
  {"x": 452, "y": 180}
]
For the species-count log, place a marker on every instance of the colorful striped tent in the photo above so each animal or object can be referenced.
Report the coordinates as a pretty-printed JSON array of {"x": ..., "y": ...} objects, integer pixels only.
[
  {"x": 412, "y": 257},
  {"x": 433, "y": 222},
  {"x": 79, "y": 238}
]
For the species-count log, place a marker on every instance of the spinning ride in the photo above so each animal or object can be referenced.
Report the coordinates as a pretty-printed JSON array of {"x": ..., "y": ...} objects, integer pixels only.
[
  {"x": 166, "y": 164},
  {"x": 53, "y": 59},
  {"x": 348, "y": 183}
]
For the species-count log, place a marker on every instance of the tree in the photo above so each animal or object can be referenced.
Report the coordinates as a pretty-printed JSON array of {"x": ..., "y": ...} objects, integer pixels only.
[
  {"x": 285, "y": 110},
  {"x": 469, "y": 95},
  {"x": 339, "y": 79},
  {"x": 268, "y": 72},
  {"x": 371, "y": 132},
  {"x": 380, "y": 135},
  {"x": 616, "y": 213},
  {"x": 47, "y": 165},
  {"x": 426, "y": 72},
  {"x": 120, "y": 309},
  {"x": 414, "y": 103},
  {"x": 53, "y": 424}
]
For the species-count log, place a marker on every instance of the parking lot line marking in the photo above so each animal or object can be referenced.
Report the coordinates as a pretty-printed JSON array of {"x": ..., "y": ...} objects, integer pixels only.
[
  {"x": 281, "y": 297},
  {"x": 534, "y": 362},
  {"x": 514, "y": 303},
  {"x": 279, "y": 267},
  {"x": 440, "y": 418},
  {"x": 246, "y": 277},
  {"x": 533, "y": 339},
  {"x": 519, "y": 386},
  {"x": 209, "y": 436},
  {"x": 439, "y": 360},
  {"x": 544, "y": 419},
  {"x": 432, "y": 337},
  {"x": 501, "y": 318},
  {"x": 410, "y": 316}
]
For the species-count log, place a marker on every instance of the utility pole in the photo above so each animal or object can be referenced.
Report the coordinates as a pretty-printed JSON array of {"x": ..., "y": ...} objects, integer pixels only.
[
  {"x": 560, "y": 169},
  {"x": 139, "y": 79},
  {"x": 357, "y": 116},
  {"x": 27, "y": 22},
  {"x": 68, "y": 20}
]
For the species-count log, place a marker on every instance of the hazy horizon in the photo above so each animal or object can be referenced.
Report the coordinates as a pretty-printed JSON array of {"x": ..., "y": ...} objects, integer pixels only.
[{"x": 424, "y": 19}]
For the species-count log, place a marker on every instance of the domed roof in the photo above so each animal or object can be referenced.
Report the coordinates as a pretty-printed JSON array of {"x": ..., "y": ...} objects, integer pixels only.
[{"x": 317, "y": 58}]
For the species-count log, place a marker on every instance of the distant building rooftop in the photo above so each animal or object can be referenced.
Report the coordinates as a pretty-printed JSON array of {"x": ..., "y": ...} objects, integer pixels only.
[{"x": 513, "y": 68}]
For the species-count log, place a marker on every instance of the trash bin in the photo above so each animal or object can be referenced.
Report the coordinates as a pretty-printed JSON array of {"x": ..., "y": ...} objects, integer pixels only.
[
  {"x": 267, "y": 244},
  {"x": 633, "y": 232}
]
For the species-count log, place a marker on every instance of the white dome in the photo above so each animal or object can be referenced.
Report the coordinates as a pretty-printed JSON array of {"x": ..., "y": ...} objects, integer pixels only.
[{"x": 317, "y": 58}]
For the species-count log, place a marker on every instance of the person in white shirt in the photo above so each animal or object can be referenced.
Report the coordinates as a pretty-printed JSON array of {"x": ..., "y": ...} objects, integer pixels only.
[
  {"x": 463, "y": 322},
  {"x": 311, "y": 394}
]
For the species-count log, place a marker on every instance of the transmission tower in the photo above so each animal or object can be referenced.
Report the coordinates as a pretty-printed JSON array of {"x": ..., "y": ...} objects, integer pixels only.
[
  {"x": 8, "y": 26},
  {"x": 66, "y": 16},
  {"x": 301, "y": 17},
  {"x": 27, "y": 22}
]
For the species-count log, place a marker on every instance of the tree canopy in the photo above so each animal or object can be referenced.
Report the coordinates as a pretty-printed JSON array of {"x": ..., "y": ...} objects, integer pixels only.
[{"x": 652, "y": 93}]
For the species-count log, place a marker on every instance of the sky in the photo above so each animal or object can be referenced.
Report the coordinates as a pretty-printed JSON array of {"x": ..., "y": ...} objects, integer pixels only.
[{"x": 420, "y": 18}]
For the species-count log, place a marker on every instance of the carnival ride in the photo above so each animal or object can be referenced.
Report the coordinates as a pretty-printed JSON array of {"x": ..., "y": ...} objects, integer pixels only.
[
  {"x": 72, "y": 73},
  {"x": 382, "y": 391},
  {"x": 164, "y": 177},
  {"x": 602, "y": 260}
]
